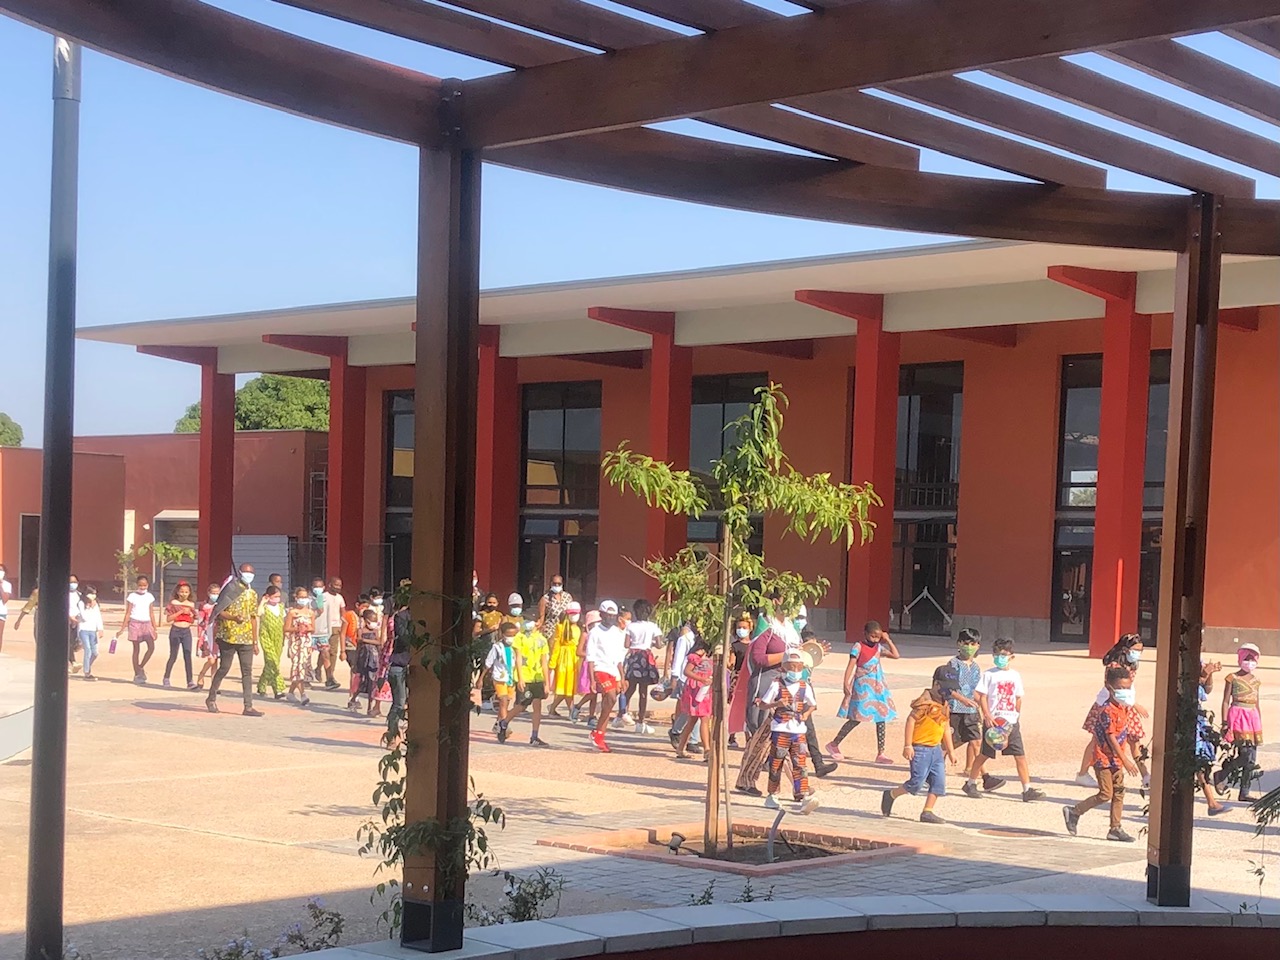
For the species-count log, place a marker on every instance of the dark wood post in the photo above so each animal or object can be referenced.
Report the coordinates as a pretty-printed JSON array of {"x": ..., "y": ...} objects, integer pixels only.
[
  {"x": 445, "y": 379},
  {"x": 1181, "y": 610}
]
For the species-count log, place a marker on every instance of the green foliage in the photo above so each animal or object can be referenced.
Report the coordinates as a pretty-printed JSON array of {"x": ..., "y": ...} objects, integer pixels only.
[
  {"x": 524, "y": 898},
  {"x": 749, "y": 895},
  {"x": 705, "y": 897},
  {"x": 165, "y": 554},
  {"x": 323, "y": 932},
  {"x": 272, "y": 402},
  {"x": 10, "y": 431}
]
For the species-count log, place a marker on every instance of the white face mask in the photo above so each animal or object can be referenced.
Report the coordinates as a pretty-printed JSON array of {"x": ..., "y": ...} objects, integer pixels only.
[
  {"x": 742, "y": 632},
  {"x": 516, "y": 611},
  {"x": 246, "y": 576},
  {"x": 378, "y": 602},
  {"x": 1124, "y": 697},
  {"x": 575, "y": 617},
  {"x": 303, "y": 601},
  {"x": 528, "y": 626},
  {"x": 74, "y": 585},
  {"x": 557, "y": 587}
]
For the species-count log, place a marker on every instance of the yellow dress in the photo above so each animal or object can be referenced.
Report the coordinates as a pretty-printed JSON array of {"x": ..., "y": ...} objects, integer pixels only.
[{"x": 564, "y": 658}]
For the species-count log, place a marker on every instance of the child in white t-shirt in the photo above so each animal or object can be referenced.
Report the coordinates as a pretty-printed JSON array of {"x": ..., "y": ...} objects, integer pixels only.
[
  {"x": 999, "y": 698},
  {"x": 790, "y": 701},
  {"x": 640, "y": 669},
  {"x": 141, "y": 622},
  {"x": 90, "y": 628}
]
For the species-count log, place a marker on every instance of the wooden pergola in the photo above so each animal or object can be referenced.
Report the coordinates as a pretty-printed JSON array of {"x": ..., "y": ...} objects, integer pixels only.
[{"x": 585, "y": 83}]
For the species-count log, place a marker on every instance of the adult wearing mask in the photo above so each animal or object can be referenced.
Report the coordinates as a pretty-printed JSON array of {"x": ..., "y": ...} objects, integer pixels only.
[
  {"x": 236, "y": 632},
  {"x": 552, "y": 605},
  {"x": 333, "y": 606}
]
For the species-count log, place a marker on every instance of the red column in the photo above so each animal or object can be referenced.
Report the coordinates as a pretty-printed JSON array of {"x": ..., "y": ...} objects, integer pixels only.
[
  {"x": 1122, "y": 449},
  {"x": 875, "y": 444},
  {"x": 217, "y": 473},
  {"x": 344, "y": 516},
  {"x": 497, "y": 469},
  {"x": 670, "y": 397}
]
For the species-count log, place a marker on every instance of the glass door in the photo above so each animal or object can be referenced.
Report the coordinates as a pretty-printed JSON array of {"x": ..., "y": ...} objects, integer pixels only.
[{"x": 1072, "y": 577}]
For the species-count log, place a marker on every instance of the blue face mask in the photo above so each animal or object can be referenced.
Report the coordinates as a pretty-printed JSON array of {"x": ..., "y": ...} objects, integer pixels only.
[
  {"x": 318, "y": 591},
  {"x": 1133, "y": 655},
  {"x": 799, "y": 623},
  {"x": 1001, "y": 660},
  {"x": 794, "y": 676},
  {"x": 1125, "y": 698}
]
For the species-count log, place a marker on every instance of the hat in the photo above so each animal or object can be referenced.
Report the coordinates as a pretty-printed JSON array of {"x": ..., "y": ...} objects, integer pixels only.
[
  {"x": 1247, "y": 651},
  {"x": 806, "y": 658},
  {"x": 793, "y": 656},
  {"x": 608, "y": 606},
  {"x": 574, "y": 607},
  {"x": 802, "y": 613},
  {"x": 515, "y": 600},
  {"x": 593, "y": 617},
  {"x": 947, "y": 677}
]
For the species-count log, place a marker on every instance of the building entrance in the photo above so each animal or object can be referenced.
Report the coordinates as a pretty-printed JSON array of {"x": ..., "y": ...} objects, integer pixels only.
[{"x": 1073, "y": 579}]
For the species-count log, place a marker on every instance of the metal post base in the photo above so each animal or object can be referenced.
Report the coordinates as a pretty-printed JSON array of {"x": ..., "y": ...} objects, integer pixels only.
[
  {"x": 431, "y": 927},
  {"x": 1169, "y": 885}
]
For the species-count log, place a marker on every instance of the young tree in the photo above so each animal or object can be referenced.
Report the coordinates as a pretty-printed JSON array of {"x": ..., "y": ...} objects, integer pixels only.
[
  {"x": 754, "y": 478},
  {"x": 166, "y": 554},
  {"x": 10, "y": 431},
  {"x": 272, "y": 402}
]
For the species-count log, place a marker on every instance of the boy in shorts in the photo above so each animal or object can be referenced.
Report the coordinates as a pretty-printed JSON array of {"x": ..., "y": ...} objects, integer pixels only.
[
  {"x": 999, "y": 698},
  {"x": 531, "y": 680},
  {"x": 966, "y": 720},
  {"x": 928, "y": 740},
  {"x": 503, "y": 666}
]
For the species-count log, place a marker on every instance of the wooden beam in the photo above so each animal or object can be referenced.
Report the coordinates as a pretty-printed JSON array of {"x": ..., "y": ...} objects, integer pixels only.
[
  {"x": 1120, "y": 101},
  {"x": 1114, "y": 286},
  {"x": 444, "y": 28},
  {"x": 622, "y": 359},
  {"x": 787, "y": 349},
  {"x": 1199, "y": 73},
  {"x": 807, "y": 133},
  {"x": 999, "y": 336},
  {"x": 332, "y": 347},
  {"x": 706, "y": 15},
  {"x": 946, "y": 136},
  {"x": 1260, "y": 36},
  {"x": 652, "y": 322},
  {"x": 1180, "y": 610},
  {"x": 582, "y": 23},
  {"x": 867, "y": 44},
  {"x": 1025, "y": 119},
  {"x": 1241, "y": 318},
  {"x": 686, "y": 168},
  {"x": 210, "y": 47}
]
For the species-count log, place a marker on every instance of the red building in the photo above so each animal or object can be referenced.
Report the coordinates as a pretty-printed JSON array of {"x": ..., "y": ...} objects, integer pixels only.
[{"x": 1009, "y": 402}]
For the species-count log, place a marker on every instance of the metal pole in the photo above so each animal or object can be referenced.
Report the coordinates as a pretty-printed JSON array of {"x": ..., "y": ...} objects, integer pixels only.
[{"x": 46, "y": 840}]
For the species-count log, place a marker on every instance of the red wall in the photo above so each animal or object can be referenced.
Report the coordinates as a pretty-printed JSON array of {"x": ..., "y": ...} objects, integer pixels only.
[{"x": 97, "y": 513}]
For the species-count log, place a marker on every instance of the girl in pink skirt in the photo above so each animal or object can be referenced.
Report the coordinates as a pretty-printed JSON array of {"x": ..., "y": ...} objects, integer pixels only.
[{"x": 1242, "y": 713}]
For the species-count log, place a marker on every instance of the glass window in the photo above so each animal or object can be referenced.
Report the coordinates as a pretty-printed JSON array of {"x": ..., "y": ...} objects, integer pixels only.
[
  {"x": 561, "y": 444},
  {"x": 399, "y": 419},
  {"x": 928, "y": 460},
  {"x": 1157, "y": 430},
  {"x": 717, "y": 402}
]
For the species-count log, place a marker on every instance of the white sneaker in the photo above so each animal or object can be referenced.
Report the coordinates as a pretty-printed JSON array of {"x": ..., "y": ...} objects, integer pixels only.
[
  {"x": 809, "y": 804},
  {"x": 771, "y": 802},
  {"x": 617, "y": 723},
  {"x": 1084, "y": 780},
  {"x": 627, "y": 720},
  {"x": 646, "y": 728}
]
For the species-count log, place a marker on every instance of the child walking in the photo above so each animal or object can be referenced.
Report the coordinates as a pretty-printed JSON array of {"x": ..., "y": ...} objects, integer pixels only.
[
  {"x": 966, "y": 720},
  {"x": 866, "y": 695},
  {"x": 927, "y": 740},
  {"x": 90, "y": 629},
  {"x": 790, "y": 702},
  {"x": 205, "y": 647},
  {"x": 1110, "y": 756},
  {"x": 531, "y": 679},
  {"x": 271, "y": 640},
  {"x": 1127, "y": 653},
  {"x": 502, "y": 665},
  {"x": 367, "y": 661},
  {"x": 181, "y": 615},
  {"x": 564, "y": 658},
  {"x": 1242, "y": 714},
  {"x": 299, "y": 625},
  {"x": 999, "y": 698},
  {"x": 695, "y": 696}
]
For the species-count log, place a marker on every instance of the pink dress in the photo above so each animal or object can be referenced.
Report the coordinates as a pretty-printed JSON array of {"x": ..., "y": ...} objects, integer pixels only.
[{"x": 695, "y": 699}]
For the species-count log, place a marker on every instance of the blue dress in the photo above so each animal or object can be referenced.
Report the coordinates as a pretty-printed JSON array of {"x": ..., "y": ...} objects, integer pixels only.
[{"x": 871, "y": 697}]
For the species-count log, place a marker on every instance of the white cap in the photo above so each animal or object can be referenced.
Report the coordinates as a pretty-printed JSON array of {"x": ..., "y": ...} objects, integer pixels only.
[
  {"x": 608, "y": 606},
  {"x": 1249, "y": 646},
  {"x": 515, "y": 600},
  {"x": 802, "y": 613}
]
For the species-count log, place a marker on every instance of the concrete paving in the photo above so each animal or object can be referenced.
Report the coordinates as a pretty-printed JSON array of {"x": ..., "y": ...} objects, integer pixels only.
[{"x": 185, "y": 828}]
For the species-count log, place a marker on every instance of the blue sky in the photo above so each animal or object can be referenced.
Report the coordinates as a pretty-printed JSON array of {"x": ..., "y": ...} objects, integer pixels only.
[{"x": 192, "y": 202}]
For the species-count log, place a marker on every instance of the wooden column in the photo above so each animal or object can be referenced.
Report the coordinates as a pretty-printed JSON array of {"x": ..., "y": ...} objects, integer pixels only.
[
  {"x": 217, "y": 473},
  {"x": 497, "y": 478},
  {"x": 875, "y": 445},
  {"x": 1180, "y": 616},
  {"x": 1122, "y": 452},
  {"x": 445, "y": 379},
  {"x": 344, "y": 515}
]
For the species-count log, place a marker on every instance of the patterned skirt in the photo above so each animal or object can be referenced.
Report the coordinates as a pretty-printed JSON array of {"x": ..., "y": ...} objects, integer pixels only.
[{"x": 871, "y": 697}]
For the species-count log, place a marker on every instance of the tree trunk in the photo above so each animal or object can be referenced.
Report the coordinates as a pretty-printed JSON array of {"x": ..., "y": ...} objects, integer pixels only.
[{"x": 715, "y": 748}]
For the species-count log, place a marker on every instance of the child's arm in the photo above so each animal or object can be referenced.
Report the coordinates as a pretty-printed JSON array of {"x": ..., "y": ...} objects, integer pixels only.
[
  {"x": 981, "y": 700},
  {"x": 909, "y": 751},
  {"x": 886, "y": 646},
  {"x": 849, "y": 668},
  {"x": 1226, "y": 702},
  {"x": 517, "y": 664},
  {"x": 1129, "y": 765},
  {"x": 1018, "y": 706},
  {"x": 153, "y": 611},
  {"x": 948, "y": 745}
]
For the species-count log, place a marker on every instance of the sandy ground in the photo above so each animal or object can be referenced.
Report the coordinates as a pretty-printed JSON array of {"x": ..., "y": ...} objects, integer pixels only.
[{"x": 185, "y": 828}]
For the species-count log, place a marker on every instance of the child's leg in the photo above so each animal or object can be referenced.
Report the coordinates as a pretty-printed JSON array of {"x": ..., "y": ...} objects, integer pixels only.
[
  {"x": 173, "y": 653},
  {"x": 975, "y": 770},
  {"x": 1024, "y": 776},
  {"x": 536, "y": 714},
  {"x": 1086, "y": 759},
  {"x": 777, "y": 754},
  {"x": 880, "y": 738},
  {"x": 970, "y": 755},
  {"x": 1248, "y": 758},
  {"x": 1116, "y": 785},
  {"x": 799, "y": 753},
  {"x": 137, "y": 667},
  {"x": 682, "y": 741},
  {"x": 929, "y": 801},
  {"x": 150, "y": 642},
  {"x": 89, "y": 642},
  {"x": 607, "y": 701},
  {"x": 1098, "y": 799},
  {"x": 845, "y": 730},
  {"x": 644, "y": 703}
]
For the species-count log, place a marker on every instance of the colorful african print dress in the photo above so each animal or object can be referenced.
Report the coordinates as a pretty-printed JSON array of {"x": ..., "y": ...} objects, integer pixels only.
[{"x": 871, "y": 697}]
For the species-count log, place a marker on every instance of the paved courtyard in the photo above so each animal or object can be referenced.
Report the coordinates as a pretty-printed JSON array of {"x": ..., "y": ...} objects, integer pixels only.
[{"x": 185, "y": 828}]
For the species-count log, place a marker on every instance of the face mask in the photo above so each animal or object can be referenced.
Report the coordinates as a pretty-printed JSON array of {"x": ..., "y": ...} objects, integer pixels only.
[
  {"x": 273, "y": 599},
  {"x": 1, "y": 573},
  {"x": 474, "y": 583},
  {"x": 575, "y": 617},
  {"x": 968, "y": 652},
  {"x": 793, "y": 676},
  {"x": 742, "y": 633},
  {"x": 303, "y": 601},
  {"x": 1133, "y": 656},
  {"x": 1001, "y": 660},
  {"x": 507, "y": 640},
  {"x": 557, "y": 587},
  {"x": 491, "y": 606},
  {"x": 1249, "y": 665},
  {"x": 516, "y": 611},
  {"x": 318, "y": 591},
  {"x": 246, "y": 577},
  {"x": 91, "y": 596},
  {"x": 528, "y": 626},
  {"x": 213, "y": 598},
  {"x": 1124, "y": 697},
  {"x": 76, "y": 586},
  {"x": 799, "y": 623},
  {"x": 378, "y": 602}
]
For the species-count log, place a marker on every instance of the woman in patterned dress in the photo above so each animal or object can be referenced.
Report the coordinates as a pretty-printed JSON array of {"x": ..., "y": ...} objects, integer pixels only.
[
  {"x": 552, "y": 606},
  {"x": 271, "y": 640},
  {"x": 299, "y": 624}
]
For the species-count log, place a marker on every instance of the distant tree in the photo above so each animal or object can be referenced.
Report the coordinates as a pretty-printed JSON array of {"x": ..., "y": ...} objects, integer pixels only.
[
  {"x": 272, "y": 402},
  {"x": 10, "y": 432}
]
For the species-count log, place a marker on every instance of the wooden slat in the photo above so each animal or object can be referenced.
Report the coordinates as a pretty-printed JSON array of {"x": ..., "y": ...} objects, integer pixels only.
[
  {"x": 686, "y": 168},
  {"x": 704, "y": 14},
  {"x": 1198, "y": 73},
  {"x": 210, "y": 47},
  {"x": 947, "y": 136},
  {"x": 783, "y": 126},
  {"x": 867, "y": 44},
  {"x": 444, "y": 28},
  {"x": 1112, "y": 98},
  {"x": 579, "y": 22},
  {"x": 1047, "y": 126},
  {"x": 1261, "y": 36}
]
